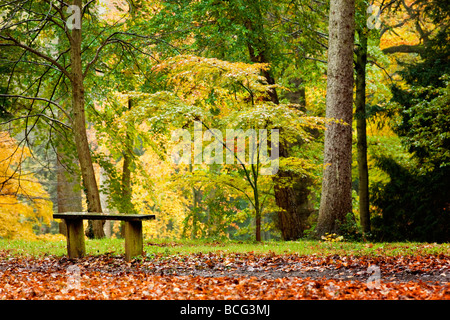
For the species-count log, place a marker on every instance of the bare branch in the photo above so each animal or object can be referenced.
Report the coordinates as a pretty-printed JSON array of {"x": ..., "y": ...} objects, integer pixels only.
[
  {"x": 37, "y": 115},
  {"x": 315, "y": 59},
  {"x": 97, "y": 54},
  {"x": 30, "y": 62},
  {"x": 110, "y": 40},
  {"x": 39, "y": 54},
  {"x": 36, "y": 98},
  {"x": 240, "y": 190},
  {"x": 381, "y": 67},
  {"x": 87, "y": 4}
]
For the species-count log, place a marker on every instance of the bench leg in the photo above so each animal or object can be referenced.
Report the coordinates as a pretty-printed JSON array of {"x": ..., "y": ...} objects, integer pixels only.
[
  {"x": 75, "y": 238},
  {"x": 133, "y": 239}
]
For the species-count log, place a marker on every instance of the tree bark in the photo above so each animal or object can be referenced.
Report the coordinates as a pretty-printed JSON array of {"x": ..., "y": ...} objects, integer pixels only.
[
  {"x": 360, "y": 115},
  {"x": 127, "y": 205},
  {"x": 95, "y": 228},
  {"x": 289, "y": 218},
  {"x": 294, "y": 201},
  {"x": 68, "y": 191},
  {"x": 336, "y": 198},
  {"x": 258, "y": 216},
  {"x": 257, "y": 54},
  {"x": 104, "y": 201},
  {"x": 197, "y": 196}
]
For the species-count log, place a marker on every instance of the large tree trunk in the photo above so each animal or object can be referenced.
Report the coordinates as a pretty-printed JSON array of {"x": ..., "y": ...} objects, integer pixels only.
[
  {"x": 336, "y": 199},
  {"x": 68, "y": 191},
  {"x": 68, "y": 182},
  {"x": 95, "y": 228},
  {"x": 360, "y": 115}
]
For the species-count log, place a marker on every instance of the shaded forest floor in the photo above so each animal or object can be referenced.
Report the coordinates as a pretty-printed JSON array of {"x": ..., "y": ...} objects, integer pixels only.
[{"x": 226, "y": 275}]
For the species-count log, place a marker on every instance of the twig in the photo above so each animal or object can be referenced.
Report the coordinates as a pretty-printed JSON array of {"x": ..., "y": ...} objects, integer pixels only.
[{"x": 36, "y": 115}]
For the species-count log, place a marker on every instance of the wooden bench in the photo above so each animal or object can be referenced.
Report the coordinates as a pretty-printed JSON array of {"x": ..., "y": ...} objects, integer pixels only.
[{"x": 75, "y": 231}]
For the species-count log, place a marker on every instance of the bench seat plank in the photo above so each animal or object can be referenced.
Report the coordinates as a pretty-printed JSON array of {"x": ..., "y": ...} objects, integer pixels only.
[{"x": 103, "y": 216}]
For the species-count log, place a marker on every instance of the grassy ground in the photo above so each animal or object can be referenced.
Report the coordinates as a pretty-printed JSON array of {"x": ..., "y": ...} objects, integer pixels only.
[{"x": 171, "y": 247}]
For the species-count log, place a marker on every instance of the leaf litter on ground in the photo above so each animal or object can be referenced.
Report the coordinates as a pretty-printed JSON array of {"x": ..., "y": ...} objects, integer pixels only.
[{"x": 221, "y": 275}]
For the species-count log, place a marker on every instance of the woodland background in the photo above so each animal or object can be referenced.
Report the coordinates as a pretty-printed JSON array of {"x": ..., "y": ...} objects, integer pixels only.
[{"x": 141, "y": 69}]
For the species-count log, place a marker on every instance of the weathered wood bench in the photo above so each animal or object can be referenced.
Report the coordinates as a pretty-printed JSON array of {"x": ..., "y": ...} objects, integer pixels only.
[{"x": 75, "y": 231}]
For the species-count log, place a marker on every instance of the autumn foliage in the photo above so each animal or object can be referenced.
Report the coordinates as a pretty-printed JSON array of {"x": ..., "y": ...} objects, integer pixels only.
[
  {"x": 23, "y": 200},
  {"x": 225, "y": 276},
  {"x": 103, "y": 102}
]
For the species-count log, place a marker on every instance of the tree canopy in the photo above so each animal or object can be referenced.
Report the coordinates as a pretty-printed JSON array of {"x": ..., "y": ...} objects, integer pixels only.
[{"x": 138, "y": 100}]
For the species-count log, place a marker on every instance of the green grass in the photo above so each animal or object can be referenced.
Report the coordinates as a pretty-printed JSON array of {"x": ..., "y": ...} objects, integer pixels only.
[{"x": 171, "y": 247}]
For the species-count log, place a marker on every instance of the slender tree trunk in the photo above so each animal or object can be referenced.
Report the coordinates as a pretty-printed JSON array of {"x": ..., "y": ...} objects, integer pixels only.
[
  {"x": 257, "y": 204},
  {"x": 104, "y": 201},
  {"x": 290, "y": 216},
  {"x": 360, "y": 115},
  {"x": 259, "y": 57},
  {"x": 257, "y": 222},
  {"x": 195, "y": 209},
  {"x": 295, "y": 203},
  {"x": 95, "y": 228},
  {"x": 127, "y": 206},
  {"x": 289, "y": 220},
  {"x": 336, "y": 199}
]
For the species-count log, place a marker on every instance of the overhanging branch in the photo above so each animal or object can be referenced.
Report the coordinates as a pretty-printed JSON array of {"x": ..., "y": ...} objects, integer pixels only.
[
  {"x": 37, "y": 115},
  {"x": 36, "y": 98},
  {"x": 37, "y": 53},
  {"x": 405, "y": 48}
]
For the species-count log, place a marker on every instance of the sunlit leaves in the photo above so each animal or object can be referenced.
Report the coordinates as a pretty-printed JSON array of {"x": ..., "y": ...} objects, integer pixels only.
[
  {"x": 23, "y": 200},
  {"x": 220, "y": 95}
]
